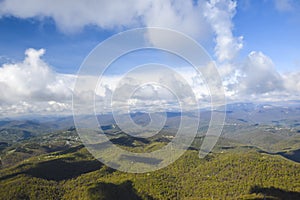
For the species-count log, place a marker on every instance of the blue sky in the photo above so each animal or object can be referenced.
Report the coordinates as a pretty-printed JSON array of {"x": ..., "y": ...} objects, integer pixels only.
[
  {"x": 264, "y": 28},
  {"x": 255, "y": 44},
  {"x": 274, "y": 32},
  {"x": 65, "y": 52}
]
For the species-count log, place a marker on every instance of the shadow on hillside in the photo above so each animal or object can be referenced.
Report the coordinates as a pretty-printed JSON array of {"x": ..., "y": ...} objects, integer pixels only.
[
  {"x": 274, "y": 193},
  {"x": 293, "y": 155},
  {"x": 108, "y": 191},
  {"x": 59, "y": 169},
  {"x": 128, "y": 141}
]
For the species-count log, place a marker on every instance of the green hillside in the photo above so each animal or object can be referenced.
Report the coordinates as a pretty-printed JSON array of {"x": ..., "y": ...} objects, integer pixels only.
[
  {"x": 229, "y": 173},
  {"x": 55, "y": 165}
]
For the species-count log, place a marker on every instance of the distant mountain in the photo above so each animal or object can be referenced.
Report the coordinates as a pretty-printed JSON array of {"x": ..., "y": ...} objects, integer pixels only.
[
  {"x": 260, "y": 124},
  {"x": 265, "y": 113}
]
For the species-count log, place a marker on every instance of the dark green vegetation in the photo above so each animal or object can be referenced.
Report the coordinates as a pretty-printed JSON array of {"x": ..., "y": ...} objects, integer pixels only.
[
  {"x": 256, "y": 158},
  {"x": 13, "y": 152},
  {"x": 232, "y": 171}
]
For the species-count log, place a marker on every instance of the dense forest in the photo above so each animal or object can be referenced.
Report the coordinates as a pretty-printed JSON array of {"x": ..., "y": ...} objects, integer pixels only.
[
  {"x": 238, "y": 172},
  {"x": 47, "y": 161}
]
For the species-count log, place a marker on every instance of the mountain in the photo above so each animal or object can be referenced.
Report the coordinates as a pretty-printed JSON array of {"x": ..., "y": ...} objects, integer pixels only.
[
  {"x": 232, "y": 170},
  {"x": 256, "y": 157}
]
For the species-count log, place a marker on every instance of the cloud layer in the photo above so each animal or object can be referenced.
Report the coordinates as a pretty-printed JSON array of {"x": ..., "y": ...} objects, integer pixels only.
[
  {"x": 199, "y": 19},
  {"x": 257, "y": 79},
  {"x": 73, "y": 15},
  {"x": 31, "y": 86},
  {"x": 24, "y": 85}
]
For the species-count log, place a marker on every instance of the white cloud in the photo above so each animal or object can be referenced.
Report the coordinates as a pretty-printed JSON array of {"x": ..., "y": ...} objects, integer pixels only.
[
  {"x": 291, "y": 82},
  {"x": 258, "y": 80},
  {"x": 32, "y": 86},
  {"x": 72, "y": 15},
  {"x": 220, "y": 13},
  {"x": 198, "y": 19},
  {"x": 260, "y": 75},
  {"x": 31, "y": 81},
  {"x": 181, "y": 15},
  {"x": 157, "y": 88}
]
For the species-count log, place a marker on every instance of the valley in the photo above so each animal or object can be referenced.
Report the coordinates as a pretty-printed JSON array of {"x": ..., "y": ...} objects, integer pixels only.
[{"x": 250, "y": 161}]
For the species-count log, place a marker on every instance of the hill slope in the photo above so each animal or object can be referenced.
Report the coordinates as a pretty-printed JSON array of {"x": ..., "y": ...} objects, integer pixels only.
[{"x": 229, "y": 173}]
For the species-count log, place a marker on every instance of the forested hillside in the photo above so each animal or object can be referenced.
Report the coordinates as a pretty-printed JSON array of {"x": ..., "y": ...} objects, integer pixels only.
[{"x": 235, "y": 172}]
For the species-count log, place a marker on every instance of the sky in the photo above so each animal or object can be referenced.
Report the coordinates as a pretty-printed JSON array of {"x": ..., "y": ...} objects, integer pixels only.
[{"x": 254, "y": 43}]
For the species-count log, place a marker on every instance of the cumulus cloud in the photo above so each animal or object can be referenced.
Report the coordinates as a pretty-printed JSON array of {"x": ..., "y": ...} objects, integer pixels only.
[
  {"x": 32, "y": 81},
  {"x": 219, "y": 13},
  {"x": 198, "y": 19},
  {"x": 181, "y": 15},
  {"x": 72, "y": 15},
  {"x": 257, "y": 79},
  {"x": 31, "y": 86},
  {"x": 260, "y": 75},
  {"x": 148, "y": 88},
  {"x": 291, "y": 82},
  {"x": 195, "y": 18}
]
